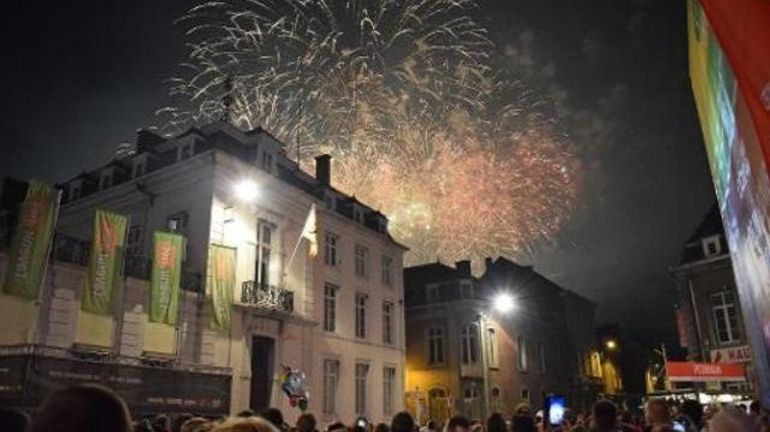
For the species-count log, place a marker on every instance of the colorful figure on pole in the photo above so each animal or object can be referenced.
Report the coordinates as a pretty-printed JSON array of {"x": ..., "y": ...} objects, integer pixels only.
[{"x": 295, "y": 387}]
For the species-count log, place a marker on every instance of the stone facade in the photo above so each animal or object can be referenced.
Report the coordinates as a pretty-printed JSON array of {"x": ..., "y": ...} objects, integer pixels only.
[
  {"x": 709, "y": 318},
  {"x": 189, "y": 184},
  {"x": 543, "y": 345}
]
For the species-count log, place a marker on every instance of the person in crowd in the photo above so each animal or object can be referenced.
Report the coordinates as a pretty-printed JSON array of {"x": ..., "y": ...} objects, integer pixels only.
[
  {"x": 336, "y": 426},
  {"x": 402, "y": 422},
  {"x": 691, "y": 415},
  {"x": 657, "y": 414},
  {"x": 197, "y": 424},
  {"x": 458, "y": 424},
  {"x": 605, "y": 417},
  {"x": 627, "y": 422},
  {"x": 161, "y": 423},
  {"x": 306, "y": 423},
  {"x": 382, "y": 427},
  {"x": 13, "y": 420},
  {"x": 571, "y": 422},
  {"x": 143, "y": 425},
  {"x": 274, "y": 416},
  {"x": 246, "y": 424},
  {"x": 178, "y": 421},
  {"x": 522, "y": 420},
  {"x": 730, "y": 419},
  {"x": 86, "y": 408},
  {"x": 246, "y": 413},
  {"x": 429, "y": 427},
  {"x": 496, "y": 423}
]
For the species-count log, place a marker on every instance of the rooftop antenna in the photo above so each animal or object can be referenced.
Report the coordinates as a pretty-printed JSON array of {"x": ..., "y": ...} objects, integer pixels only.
[{"x": 227, "y": 99}]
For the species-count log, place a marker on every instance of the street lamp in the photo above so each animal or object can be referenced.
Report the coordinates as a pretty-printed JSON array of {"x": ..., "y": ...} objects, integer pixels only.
[
  {"x": 611, "y": 344},
  {"x": 503, "y": 302},
  {"x": 246, "y": 190}
]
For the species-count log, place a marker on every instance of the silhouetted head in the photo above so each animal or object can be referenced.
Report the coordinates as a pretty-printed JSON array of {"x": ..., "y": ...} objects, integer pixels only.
[
  {"x": 402, "y": 422},
  {"x": 87, "y": 408}
]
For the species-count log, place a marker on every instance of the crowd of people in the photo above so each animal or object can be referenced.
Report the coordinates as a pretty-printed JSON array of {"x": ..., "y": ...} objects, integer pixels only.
[{"x": 93, "y": 408}]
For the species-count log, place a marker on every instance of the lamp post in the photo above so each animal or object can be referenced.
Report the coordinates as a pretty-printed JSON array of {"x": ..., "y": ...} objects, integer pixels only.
[{"x": 502, "y": 303}]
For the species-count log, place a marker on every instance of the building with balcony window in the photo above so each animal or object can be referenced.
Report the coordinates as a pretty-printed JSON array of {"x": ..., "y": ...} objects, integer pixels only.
[
  {"x": 709, "y": 318},
  {"x": 465, "y": 357},
  {"x": 337, "y": 316}
]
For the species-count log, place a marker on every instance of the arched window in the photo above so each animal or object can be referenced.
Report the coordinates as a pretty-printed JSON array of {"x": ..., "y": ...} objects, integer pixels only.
[{"x": 470, "y": 343}]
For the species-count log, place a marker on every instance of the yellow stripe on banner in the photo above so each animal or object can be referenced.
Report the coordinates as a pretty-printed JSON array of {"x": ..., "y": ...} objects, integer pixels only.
[
  {"x": 159, "y": 338},
  {"x": 94, "y": 330},
  {"x": 18, "y": 319}
]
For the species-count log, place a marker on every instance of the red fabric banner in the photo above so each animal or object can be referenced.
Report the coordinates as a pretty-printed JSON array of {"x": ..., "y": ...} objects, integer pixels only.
[{"x": 691, "y": 371}]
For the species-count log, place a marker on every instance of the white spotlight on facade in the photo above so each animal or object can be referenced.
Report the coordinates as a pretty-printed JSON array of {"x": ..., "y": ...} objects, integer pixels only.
[
  {"x": 503, "y": 302},
  {"x": 246, "y": 190}
]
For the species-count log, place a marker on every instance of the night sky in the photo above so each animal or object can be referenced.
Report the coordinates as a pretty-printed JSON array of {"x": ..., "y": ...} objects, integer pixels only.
[{"x": 79, "y": 77}]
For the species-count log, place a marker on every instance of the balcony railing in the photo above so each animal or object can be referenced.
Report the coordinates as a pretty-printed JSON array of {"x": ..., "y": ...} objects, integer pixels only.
[{"x": 267, "y": 297}]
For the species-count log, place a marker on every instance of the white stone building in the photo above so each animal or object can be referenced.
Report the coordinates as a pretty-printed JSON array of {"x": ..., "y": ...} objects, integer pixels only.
[{"x": 340, "y": 314}]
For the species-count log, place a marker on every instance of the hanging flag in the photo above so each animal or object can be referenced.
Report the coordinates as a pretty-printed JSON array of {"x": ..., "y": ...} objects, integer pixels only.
[
  {"x": 166, "y": 276},
  {"x": 31, "y": 241},
  {"x": 221, "y": 283},
  {"x": 105, "y": 264},
  {"x": 309, "y": 231}
]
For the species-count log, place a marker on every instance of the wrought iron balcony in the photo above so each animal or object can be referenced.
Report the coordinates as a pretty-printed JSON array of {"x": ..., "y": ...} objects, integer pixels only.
[{"x": 267, "y": 297}]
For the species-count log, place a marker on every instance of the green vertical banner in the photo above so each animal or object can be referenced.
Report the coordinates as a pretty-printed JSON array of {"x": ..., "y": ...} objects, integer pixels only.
[
  {"x": 221, "y": 283},
  {"x": 31, "y": 241},
  {"x": 106, "y": 262},
  {"x": 166, "y": 276}
]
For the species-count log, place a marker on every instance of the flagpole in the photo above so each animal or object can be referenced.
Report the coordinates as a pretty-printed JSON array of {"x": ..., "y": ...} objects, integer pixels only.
[
  {"x": 44, "y": 297},
  {"x": 296, "y": 244}
]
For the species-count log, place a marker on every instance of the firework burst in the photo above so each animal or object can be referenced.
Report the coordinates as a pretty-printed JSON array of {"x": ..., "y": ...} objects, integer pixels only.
[{"x": 403, "y": 95}]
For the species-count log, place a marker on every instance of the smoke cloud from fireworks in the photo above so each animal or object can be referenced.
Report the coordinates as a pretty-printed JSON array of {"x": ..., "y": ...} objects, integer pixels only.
[{"x": 405, "y": 96}]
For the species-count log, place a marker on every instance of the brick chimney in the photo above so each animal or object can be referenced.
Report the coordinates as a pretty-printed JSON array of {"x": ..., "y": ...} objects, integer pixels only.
[
  {"x": 463, "y": 267},
  {"x": 323, "y": 172}
]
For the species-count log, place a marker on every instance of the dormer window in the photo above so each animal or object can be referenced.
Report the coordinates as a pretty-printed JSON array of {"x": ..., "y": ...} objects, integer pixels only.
[
  {"x": 75, "y": 190},
  {"x": 184, "y": 151},
  {"x": 267, "y": 161},
  {"x": 466, "y": 290},
  {"x": 106, "y": 180},
  {"x": 382, "y": 225},
  {"x": 140, "y": 167},
  {"x": 330, "y": 202},
  {"x": 711, "y": 246},
  {"x": 358, "y": 214}
]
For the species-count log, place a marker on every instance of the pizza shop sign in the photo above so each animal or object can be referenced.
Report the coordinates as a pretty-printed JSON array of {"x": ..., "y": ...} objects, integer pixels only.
[{"x": 736, "y": 354}]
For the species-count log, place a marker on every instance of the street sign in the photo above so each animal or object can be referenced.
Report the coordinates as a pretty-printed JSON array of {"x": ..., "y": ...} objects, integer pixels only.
[
  {"x": 691, "y": 371},
  {"x": 736, "y": 354}
]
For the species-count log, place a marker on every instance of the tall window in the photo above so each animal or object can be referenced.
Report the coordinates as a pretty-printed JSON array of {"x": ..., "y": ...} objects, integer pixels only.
[
  {"x": 435, "y": 345},
  {"x": 267, "y": 161},
  {"x": 470, "y": 343},
  {"x": 184, "y": 151},
  {"x": 330, "y": 307},
  {"x": 466, "y": 290},
  {"x": 387, "y": 322},
  {"x": 134, "y": 241},
  {"x": 387, "y": 270},
  {"x": 74, "y": 192},
  {"x": 178, "y": 222},
  {"x": 492, "y": 352},
  {"x": 362, "y": 374},
  {"x": 541, "y": 356},
  {"x": 264, "y": 243},
  {"x": 361, "y": 315},
  {"x": 522, "y": 353},
  {"x": 725, "y": 317},
  {"x": 105, "y": 181},
  {"x": 140, "y": 167},
  {"x": 431, "y": 292},
  {"x": 331, "y": 379},
  {"x": 331, "y": 249},
  {"x": 362, "y": 258},
  {"x": 388, "y": 389}
]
